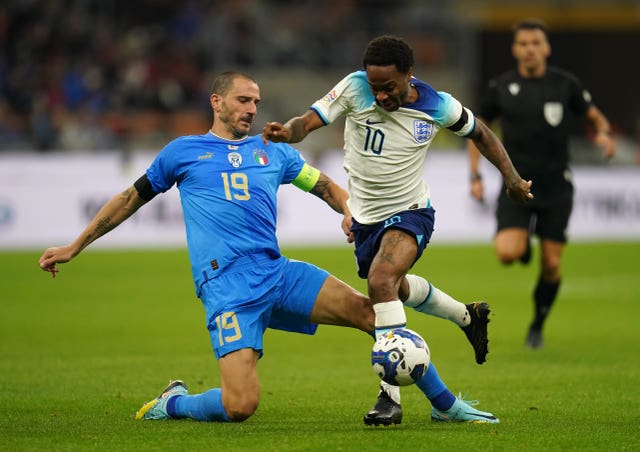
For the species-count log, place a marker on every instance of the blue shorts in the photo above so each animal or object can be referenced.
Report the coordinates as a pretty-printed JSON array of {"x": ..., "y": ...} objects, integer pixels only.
[
  {"x": 256, "y": 293},
  {"x": 417, "y": 222}
]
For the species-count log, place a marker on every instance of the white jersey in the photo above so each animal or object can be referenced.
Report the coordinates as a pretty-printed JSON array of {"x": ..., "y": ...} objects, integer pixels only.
[{"x": 385, "y": 151}]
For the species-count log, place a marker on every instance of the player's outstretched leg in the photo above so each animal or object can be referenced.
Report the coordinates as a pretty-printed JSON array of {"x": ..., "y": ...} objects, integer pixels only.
[
  {"x": 463, "y": 411},
  {"x": 386, "y": 410},
  {"x": 445, "y": 406},
  {"x": 175, "y": 403},
  {"x": 157, "y": 408},
  {"x": 476, "y": 331}
]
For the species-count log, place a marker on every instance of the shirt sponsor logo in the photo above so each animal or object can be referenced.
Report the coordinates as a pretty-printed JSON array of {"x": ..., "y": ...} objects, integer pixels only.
[
  {"x": 422, "y": 130},
  {"x": 234, "y": 159},
  {"x": 553, "y": 113},
  {"x": 260, "y": 157}
]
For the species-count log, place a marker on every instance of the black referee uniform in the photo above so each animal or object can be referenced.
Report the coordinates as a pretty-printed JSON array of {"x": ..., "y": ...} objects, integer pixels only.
[{"x": 536, "y": 115}]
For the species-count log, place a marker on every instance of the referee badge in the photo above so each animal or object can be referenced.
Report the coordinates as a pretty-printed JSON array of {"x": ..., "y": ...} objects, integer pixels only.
[{"x": 553, "y": 113}]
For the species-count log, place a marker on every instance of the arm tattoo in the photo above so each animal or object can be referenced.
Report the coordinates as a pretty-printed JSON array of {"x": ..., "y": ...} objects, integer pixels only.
[
  {"x": 322, "y": 191},
  {"x": 104, "y": 226}
]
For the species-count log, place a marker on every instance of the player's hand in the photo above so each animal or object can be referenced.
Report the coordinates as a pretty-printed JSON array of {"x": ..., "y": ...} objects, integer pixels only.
[
  {"x": 477, "y": 190},
  {"x": 53, "y": 256},
  {"x": 347, "y": 222},
  {"x": 607, "y": 143},
  {"x": 276, "y": 132},
  {"x": 520, "y": 191}
]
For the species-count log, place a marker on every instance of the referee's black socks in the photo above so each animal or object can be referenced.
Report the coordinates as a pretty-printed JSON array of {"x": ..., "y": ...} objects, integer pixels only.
[{"x": 544, "y": 296}]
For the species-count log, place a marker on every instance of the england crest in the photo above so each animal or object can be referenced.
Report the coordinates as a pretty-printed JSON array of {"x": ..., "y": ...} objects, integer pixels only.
[
  {"x": 234, "y": 159},
  {"x": 553, "y": 113},
  {"x": 422, "y": 130}
]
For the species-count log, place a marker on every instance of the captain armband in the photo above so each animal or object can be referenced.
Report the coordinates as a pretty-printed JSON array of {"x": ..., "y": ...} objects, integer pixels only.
[
  {"x": 307, "y": 178},
  {"x": 465, "y": 123},
  {"x": 144, "y": 189}
]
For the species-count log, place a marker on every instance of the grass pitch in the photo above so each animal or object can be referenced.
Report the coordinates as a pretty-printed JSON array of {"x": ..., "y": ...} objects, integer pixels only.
[{"x": 81, "y": 353}]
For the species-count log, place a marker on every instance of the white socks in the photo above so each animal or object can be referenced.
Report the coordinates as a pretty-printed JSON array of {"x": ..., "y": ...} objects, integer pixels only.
[
  {"x": 389, "y": 315},
  {"x": 393, "y": 391},
  {"x": 428, "y": 299}
]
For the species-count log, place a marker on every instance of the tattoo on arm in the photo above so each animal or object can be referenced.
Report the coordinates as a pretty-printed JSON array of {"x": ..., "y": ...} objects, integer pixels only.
[
  {"x": 322, "y": 190},
  {"x": 104, "y": 226}
]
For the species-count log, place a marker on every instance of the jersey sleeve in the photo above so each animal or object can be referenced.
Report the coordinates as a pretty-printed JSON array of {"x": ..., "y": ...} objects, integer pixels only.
[
  {"x": 580, "y": 98},
  {"x": 161, "y": 173},
  {"x": 294, "y": 163},
  {"x": 454, "y": 116},
  {"x": 338, "y": 101}
]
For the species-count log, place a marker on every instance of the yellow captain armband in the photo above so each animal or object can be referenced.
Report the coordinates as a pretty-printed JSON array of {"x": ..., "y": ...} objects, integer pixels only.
[{"x": 307, "y": 178}]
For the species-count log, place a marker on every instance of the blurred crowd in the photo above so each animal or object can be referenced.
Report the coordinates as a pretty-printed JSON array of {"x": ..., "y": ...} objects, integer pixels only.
[{"x": 111, "y": 74}]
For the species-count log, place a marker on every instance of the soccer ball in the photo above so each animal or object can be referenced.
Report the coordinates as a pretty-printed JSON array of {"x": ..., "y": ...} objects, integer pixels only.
[{"x": 400, "y": 357}]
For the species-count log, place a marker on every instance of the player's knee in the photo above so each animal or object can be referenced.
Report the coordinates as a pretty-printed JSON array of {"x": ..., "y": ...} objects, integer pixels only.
[
  {"x": 551, "y": 269},
  {"x": 508, "y": 253},
  {"x": 241, "y": 410},
  {"x": 506, "y": 257}
]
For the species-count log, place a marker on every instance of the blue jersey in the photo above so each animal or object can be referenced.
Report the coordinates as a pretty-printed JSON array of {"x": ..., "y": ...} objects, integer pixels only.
[{"x": 228, "y": 192}]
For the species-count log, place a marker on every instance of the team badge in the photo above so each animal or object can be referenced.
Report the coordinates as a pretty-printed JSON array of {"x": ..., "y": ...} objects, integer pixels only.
[
  {"x": 422, "y": 130},
  {"x": 234, "y": 159},
  {"x": 553, "y": 113},
  {"x": 514, "y": 88},
  {"x": 260, "y": 157}
]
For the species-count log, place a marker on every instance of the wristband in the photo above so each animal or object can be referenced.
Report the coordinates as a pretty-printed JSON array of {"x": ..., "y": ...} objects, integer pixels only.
[{"x": 476, "y": 177}]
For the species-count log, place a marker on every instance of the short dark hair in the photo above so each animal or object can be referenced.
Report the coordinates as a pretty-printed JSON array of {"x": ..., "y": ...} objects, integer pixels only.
[
  {"x": 531, "y": 24},
  {"x": 388, "y": 50},
  {"x": 223, "y": 82}
]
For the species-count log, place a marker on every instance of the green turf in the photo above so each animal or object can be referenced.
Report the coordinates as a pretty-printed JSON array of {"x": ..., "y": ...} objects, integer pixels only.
[{"x": 80, "y": 354}]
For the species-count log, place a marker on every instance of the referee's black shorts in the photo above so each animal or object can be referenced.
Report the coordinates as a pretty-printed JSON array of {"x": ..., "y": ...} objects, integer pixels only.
[{"x": 547, "y": 215}]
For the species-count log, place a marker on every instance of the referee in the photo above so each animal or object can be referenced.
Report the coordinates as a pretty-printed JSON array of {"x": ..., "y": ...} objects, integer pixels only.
[{"x": 536, "y": 104}]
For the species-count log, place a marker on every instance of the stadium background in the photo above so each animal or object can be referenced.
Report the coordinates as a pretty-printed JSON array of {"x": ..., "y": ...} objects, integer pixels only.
[
  {"x": 89, "y": 90},
  {"x": 96, "y": 88}
]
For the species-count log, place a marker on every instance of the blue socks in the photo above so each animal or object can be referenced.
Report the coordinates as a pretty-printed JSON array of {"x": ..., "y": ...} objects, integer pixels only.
[
  {"x": 434, "y": 388},
  {"x": 201, "y": 407}
]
